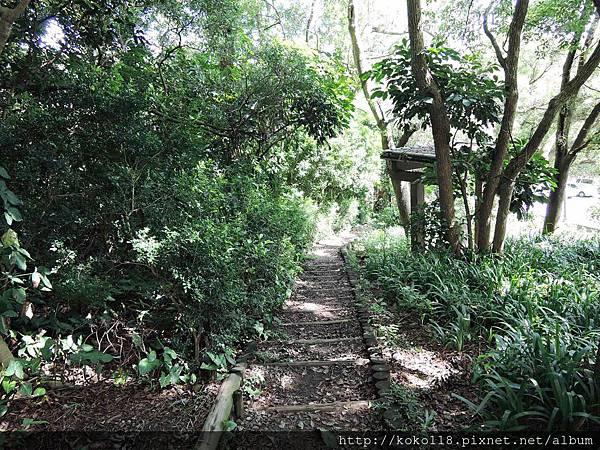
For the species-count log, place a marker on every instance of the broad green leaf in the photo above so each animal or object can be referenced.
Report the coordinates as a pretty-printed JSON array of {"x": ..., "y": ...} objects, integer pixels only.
[
  {"x": 39, "y": 392},
  {"x": 15, "y": 213},
  {"x": 19, "y": 295},
  {"x": 8, "y": 385},
  {"x": 26, "y": 389},
  {"x": 46, "y": 281},
  {"x": 230, "y": 425},
  {"x": 12, "y": 198},
  {"x": 10, "y": 238},
  {"x": 46, "y": 350},
  {"x": 91, "y": 357},
  {"x": 15, "y": 368},
  {"x": 18, "y": 260},
  {"x": 165, "y": 380},
  {"x": 146, "y": 365},
  {"x": 24, "y": 252}
]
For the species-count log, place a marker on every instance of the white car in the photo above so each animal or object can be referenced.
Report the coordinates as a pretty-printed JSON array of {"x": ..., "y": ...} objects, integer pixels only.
[{"x": 583, "y": 187}]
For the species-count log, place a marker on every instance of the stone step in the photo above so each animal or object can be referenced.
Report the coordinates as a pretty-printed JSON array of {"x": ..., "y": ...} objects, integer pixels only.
[
  {"x": 342, "y": 362},
  {"x": 350, "y": 405},
  {"x": 323, "y": 322},
  {"x": 313, "y": 341}
]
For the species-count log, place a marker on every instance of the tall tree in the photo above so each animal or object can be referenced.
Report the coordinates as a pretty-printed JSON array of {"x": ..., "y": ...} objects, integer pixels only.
[
  {"x": 509, "y": 64},
  {"x": 440, "y": 124},
  {"x": 565, "y": 154},
  {"x": 518, "y": 163},
  {"x": 379, "y": 116},
  {"x": 500, "y": 179}
]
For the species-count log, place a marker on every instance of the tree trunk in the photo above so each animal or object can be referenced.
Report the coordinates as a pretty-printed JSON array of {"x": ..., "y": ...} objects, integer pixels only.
[
  {"x": 510, "y": 64},
  {"x": 505, "y": 195},
  {"x": 562, "y": 159},
  {"x": 469, "y": 218},
  {"x": 518, "y": 163},
  {"x": 401, "y": 204},
  {"x": 309, "y": 22},
  {"x": 439, "y": 123},
  {"x": 563, "y": 163},
  {"x": 561, "y": 147},
  {"x": 8, "y": 17},
  {"x": 478, "y": 197},
  {"x": 557, "y": 196},
  {"x": 399, "y": 191}
]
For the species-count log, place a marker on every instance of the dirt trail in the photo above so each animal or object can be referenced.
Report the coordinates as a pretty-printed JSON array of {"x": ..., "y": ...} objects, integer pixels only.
[{"x": 316, "y": 374}]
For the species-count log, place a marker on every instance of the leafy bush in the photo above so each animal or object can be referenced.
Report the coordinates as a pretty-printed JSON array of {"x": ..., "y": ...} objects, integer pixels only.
[
  {"x": 223, "y": 255},
  {"x": 19, "y": 286},
  {"x": 387, "y": 217},
  {"x": 537, "y": 308},
  {"x": 162, "y": 198}
]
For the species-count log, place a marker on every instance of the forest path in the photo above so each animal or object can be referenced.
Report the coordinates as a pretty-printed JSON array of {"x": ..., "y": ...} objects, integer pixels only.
[{"x": 316, "y": 375}]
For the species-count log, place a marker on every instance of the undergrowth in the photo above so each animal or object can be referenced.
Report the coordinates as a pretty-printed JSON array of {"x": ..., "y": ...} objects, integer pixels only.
[{"x": 535, "y": 311}]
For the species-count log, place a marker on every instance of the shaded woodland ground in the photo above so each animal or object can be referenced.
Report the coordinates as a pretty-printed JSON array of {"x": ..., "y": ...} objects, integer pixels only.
[{"x": 170, "y": 173}]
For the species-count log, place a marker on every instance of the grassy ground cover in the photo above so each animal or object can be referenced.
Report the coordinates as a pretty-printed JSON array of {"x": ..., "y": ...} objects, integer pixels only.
[{"x": 532, "y": 314}]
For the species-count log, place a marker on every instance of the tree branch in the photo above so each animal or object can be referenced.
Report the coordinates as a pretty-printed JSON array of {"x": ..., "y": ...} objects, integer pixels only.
[
  {"x": 581, "y": 140},
  {"x": 379, "y": 118},
  {"x": 497, "y": 49},
  {"x": 570, "y": 89}
]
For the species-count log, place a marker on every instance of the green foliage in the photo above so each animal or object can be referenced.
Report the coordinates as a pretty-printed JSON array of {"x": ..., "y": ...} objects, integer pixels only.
[
  {"x": 537, "y": 309},
  {"x": 387, "y": 217},
  {"x": 471, "y": 93},
  {"x": 404, "y": 411},
  {"x": 24, "y": 374},
  {"x": 171, "y": 368},
  {"x": 472, "y": 97},
  {"x": 230, "y": 261},
  {"x": 558, "y": 19},
  {"x": 533, "y": 185},
  {"x": 428, "y": 220},
  {"x": 161, "y": 150},
  {"x": 14, "y": 260}
]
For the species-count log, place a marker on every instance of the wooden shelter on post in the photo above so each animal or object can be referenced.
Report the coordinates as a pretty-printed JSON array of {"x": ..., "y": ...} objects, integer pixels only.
[{"x": 407, "y": 164}]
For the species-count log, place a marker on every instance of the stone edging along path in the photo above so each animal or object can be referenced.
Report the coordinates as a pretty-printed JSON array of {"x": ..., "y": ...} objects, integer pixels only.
[
  {"x": 323, "y": 371},
  {"x": 378, "y": 363}
]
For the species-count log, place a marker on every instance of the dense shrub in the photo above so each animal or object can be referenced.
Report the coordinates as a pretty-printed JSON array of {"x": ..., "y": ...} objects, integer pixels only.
[
  {"x": 537, "y": 307},
  {"x": 224, "y": 256},
  {"x": 158, "y": 187},
  {"x": 205, "y": 273}
]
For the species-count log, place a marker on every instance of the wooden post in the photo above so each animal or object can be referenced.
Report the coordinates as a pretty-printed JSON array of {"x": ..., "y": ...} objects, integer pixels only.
[
  {"x": 417, "y": 199},
  {"x": 238, "y": 404},
  {"x": 218, "y": 416}
]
